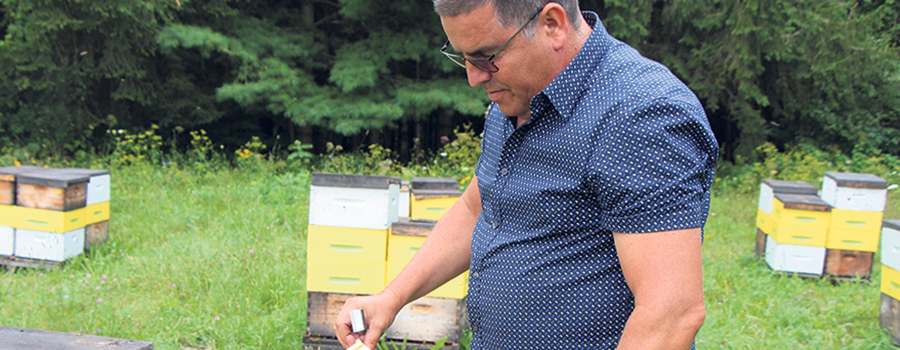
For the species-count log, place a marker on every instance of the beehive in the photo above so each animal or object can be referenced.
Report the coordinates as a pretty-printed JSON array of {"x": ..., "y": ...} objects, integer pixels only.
[{"x": 432, "y": 197}]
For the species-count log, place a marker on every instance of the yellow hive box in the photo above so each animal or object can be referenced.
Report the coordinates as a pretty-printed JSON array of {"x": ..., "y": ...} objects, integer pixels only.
[
  {"x": 801, "y": 214},
  {"x": 403, "y": 248},
  {"x": 800, "y": 219},
  {"x": 429, "y": 208},
  {"x": 431, "y": 197},
  {"x": 345, "y": 243},
  {"x": 454, "y": 289},
  {"x": 51, "y": 220},
  {"x": 42, "y": 219},
  {"x": 858, "y": 220},
  {"x": 95, "y": 213},
  {"x": 864, "y": 241},
  {"x": 764, "y": 221},
  {"x": 890, "y": 282},
  {"x": 345, "y": 276},
  {"x": 800, "y": 235}
]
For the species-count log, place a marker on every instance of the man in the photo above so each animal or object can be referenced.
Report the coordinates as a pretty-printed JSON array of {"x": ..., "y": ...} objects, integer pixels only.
[{"x": 582, "y": 226}]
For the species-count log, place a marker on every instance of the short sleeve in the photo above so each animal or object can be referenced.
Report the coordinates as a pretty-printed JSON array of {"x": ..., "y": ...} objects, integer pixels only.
[{"x": 653, "y": 168}]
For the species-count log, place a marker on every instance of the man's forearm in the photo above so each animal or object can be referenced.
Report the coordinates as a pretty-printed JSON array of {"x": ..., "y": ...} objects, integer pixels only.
[{"x": 662, "y": 329}]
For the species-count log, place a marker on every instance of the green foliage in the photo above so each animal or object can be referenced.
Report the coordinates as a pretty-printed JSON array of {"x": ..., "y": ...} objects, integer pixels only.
[
  {"x": 142, "y": 148},
  {"x": 375, "y": 160},
  {"x": 804, "y": 163},
  {"x": 455, "y": 159},
  {"x": 68, "y": 65},
  {"x": 798, "y": 71},
  {"x": 300, "y": 156}
]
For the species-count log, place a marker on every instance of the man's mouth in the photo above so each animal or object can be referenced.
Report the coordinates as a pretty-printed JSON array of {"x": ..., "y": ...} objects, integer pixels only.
[{"x": 494, "y": 95}]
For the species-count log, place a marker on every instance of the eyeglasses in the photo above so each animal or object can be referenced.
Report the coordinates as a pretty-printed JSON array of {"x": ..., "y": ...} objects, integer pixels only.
[{"x": 485, "y": 64}]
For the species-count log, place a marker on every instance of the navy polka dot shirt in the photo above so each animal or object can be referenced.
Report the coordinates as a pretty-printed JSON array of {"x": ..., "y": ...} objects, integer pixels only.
[{"x": 616, "y": 143}]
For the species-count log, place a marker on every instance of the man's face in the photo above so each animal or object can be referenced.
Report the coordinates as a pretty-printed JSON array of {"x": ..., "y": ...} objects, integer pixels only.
[{"x": 479, "y": 34}]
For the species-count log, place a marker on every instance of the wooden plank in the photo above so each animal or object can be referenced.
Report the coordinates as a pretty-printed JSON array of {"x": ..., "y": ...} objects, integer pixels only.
[
  {"x": 894, "y": 224},
  {"x": 889, "y": 317},
  {"x": 34, "y": 339},
  {"x": 12, "y": 262},
  {"x": 420, "y": 183},
  {"x": 7, "y": 192},
  {"x": 425, "y": 320},
  {"x": 794, "y": 187},
  {"x": 760, "y": 244},
  {"x": 95, "y": 234},
  {"x": 353, "y": 181},
  {"x": 848, "y": 264},
  {"x": 52, "y": 198},
  {"x": 317, "y": 343},
  {"x": 434, "y": 194},
  {"x": 857, "y": 180},
  {"x": 803, "y": 202},
  {"x": 407, "y": 227}
]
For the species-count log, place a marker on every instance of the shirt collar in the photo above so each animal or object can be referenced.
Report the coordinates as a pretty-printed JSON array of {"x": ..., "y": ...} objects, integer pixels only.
[{"x": 560, "y": 92}]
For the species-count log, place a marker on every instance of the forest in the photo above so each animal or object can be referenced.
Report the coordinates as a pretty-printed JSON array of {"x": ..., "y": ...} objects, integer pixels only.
[{"x": 823, "y": 73}]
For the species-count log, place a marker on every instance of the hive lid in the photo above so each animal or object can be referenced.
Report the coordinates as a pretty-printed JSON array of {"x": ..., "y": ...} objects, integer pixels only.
[
  {"x": 794, "y": 187},
  {"x": 86, "y": 172},
  {"x": 857, "y": 180},
  {"x": 416, "y": 227},
  {"x": 9, "y": 173},
  {"x": 52, "y": 177},
  {"x": 893, "y": 223},
  {"x": 434, "y": 183},
  {"x": 802, "y": 202},
  {"x": 354, "y": 181}
]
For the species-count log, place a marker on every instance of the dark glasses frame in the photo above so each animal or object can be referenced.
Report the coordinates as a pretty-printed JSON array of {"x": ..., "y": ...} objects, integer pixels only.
[{"x": 485, "y": 64}]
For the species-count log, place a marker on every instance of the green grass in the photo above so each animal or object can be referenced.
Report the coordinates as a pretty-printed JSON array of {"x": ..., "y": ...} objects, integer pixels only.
[
  {"x": 194, "y": 260},
  {"x": 750, "y": 306},
  {"x": 215, "y": 259}
]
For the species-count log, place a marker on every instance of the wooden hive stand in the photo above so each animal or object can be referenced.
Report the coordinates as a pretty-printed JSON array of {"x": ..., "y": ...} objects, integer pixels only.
[{"x": 14, "y": 338}]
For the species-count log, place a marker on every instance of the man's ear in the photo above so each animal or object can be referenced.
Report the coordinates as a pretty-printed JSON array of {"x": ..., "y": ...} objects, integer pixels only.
[{"x": 554, "y": 24}]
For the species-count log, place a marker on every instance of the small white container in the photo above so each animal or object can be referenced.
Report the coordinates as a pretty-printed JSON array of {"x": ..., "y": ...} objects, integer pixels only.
[
  {"x": 356, "y": 201},
  {"x": 890, "y": 244},
  {"x": 7, "y": 239},
  {"x": 852, "y": 191},
  {"x": 50, "y": 246},
  {"x": 769, "y": 187},
  {"x": 403, "y": 209},
  {"x": 795, "y": 258}
]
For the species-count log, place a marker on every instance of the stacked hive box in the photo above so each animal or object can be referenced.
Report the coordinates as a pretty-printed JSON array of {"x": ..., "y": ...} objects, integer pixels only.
[
  {"x": 50, "y": 214},
  {"x": 890, "y": 279},
  {"x": 833, "y": 234},
  {"x": 857, "y": 202},
  {"x": 764, "y": 219},
  {"x": 797, "y": 241},
  {"x": 356, "y": 246},
  {"x": 431, "y": 197}
]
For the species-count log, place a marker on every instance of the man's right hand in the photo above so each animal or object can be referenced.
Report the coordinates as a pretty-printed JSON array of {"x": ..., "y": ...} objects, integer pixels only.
[{"x": 380, "y": 310}]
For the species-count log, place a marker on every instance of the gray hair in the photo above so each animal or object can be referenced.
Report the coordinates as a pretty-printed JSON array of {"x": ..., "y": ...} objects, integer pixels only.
[{"x": 510, "y": 13}]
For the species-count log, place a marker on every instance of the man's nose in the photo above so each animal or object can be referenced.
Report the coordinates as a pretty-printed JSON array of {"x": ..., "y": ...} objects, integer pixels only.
[{"x": 476, "y": 76}]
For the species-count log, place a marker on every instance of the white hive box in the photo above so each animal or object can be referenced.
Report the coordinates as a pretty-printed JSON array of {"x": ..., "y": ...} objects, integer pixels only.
[
  {"x": 7, "y": 238},
  {"x": 890, "y": 244},
  {"x": 769, "y": 187},
  {"x": 357, "y": 201},
  {"x": 50, "y": 246},
  {"x": 98, "y": 184},
  {"x": 403, "y": 210},
  {"x": 795, "y": 258},
  {"x": 852, "y": 191}
]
